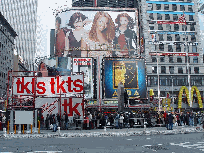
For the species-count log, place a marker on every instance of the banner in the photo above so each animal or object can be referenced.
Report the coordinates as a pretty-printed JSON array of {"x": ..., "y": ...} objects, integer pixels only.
[
  {"x": 72, "y": 106},
  {"x": 85, "y": 65},
  {"x": 48, "y": 86},
  {"x": 93, "y": 33},
  {"x": 131, "y": 72}
]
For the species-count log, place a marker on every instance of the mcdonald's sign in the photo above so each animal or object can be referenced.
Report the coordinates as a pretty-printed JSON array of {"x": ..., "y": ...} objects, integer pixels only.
[{"x": 187, "y": 95}]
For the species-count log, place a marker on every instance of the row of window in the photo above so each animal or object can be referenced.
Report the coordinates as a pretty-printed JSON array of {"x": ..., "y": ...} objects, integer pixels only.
[
  {"x": 176, "y": 37},
  {"x": 171, "y": 59},
  {"x": 176, "y": 27},
  {"x": 173, "y": 7},
  {"x": 177, "y": 81},
  {"x": 171, "y": 70},
  {"x": 159, "y": 16}
]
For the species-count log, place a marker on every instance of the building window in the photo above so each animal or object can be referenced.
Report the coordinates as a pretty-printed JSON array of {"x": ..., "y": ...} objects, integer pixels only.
[
  {"x": 191, "y": 18},
  {"x": 186, "y": 59},
  {"x": 171, "y": 70},
  {"x": 182, "y": 8},
  {"x": 168, "y": 27},
  {"x": 190, "y": 8},
  {"x": 174, "y": 7},
  {"x": 151, "y": 27},
  {"x": 163, "y": 69},
  {"x": 154, "y": 59},
  {"x": 158, "y": 6},
  {"x": 192, "y": 28},
  {"x": 170, "y": 49},
  {"x": 167, "y": 17},
  {"x": 151, "y": 16},
  {"x": 160, "y": 27},
  {"x": 161, "y": 37},
  {"x": 195, "y": 60},
  {"x": 162, "y": 58},
  {"x": 177, "y": 37},
  {"x": 159, "y": 16},
  {"x": 163, "y": 81},
  {"x": 184, "y": 27},
  {"x": 180, "y": 70},
  {"x": 154, "y": 69},
  {"x": 171, "y": 59},
  {"x": 178, "y": 48},
  {"x": 169, "y": 37},
  {"x": 193, "y": 38},
  {"x": 179, "y": 60},
  {"x": 176, "y": 27},
  {"x": 194, "y": 49},
  {"x": 175, "y": 17},
  {"x": 161, "y": 47},
  {"x": 196, "y": 70},
  {"x": 166, "y": 6}
]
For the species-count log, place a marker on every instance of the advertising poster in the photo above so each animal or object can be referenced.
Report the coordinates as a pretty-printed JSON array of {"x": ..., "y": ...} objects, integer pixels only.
[
  {"x": 131, "y": 72},
  {"x": 85, "y": 65},
  {"x": 82, "y": 33}
]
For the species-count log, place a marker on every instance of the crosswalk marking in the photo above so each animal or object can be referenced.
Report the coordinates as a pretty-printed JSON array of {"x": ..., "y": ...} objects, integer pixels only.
[{"x": 198, "y": 145}]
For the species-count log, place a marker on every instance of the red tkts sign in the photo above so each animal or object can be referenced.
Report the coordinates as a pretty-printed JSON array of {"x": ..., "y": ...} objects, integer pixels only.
[{"x": 48, "y": 85}]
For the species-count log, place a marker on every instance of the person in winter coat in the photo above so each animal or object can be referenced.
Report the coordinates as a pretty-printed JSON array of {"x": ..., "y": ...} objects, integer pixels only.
[
  {"x": 121, "y": 121},
  {"x": 170, "y": 118},
  {"x": 181, "y": 118},
  {"x": 54, "y": 123},
  {"x": 47, "y": 121},
  {"x": 66, "y": 120}
]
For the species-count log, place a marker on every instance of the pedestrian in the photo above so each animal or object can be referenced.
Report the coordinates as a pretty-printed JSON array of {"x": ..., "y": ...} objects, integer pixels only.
[
  {"x": 181, "y": 118},
  {"x": 90, "y": 120},
  {"x": 47, "y": 121},
  {"x": 170, "y": 118},
  {"x": 187, "y": 118},
  {"x": 121, "y": 121},
  {"x": 54, "y": 123},
  {"x": 66, "y": 120},
  {"x": 4, "y": 121},
  {"x": 191, "y": 119}
]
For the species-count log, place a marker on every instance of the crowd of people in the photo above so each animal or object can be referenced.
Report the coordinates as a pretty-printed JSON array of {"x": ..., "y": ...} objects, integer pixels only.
[{"x": 121, "y": 120}]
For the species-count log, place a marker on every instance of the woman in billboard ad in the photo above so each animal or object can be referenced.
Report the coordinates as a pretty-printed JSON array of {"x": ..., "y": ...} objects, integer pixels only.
[
  {"x": 74, "y": 37},
  {"x": 125, "y": 37},
  {"x": 101, "y": 35}
]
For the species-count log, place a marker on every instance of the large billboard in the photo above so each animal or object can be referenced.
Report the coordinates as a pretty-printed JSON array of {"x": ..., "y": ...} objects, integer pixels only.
[
  {"x": 131, "y": 72},
  {"x": 82, "y": 33},
  {"x": 85, "y": 65}
]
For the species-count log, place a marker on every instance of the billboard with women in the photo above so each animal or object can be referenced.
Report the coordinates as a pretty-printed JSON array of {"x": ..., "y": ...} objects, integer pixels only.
[
  {"x": 83, "y": 33},
  {"x": 130, "y": 72}
]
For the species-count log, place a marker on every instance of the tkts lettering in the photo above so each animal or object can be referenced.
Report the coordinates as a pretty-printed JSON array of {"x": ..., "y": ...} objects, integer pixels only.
[{"x": 48, "y": 85}]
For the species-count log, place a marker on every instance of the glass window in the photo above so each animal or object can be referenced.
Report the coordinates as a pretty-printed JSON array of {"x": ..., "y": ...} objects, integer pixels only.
[
  {"x": 162, "y": 58},
  {"x": 167, "y": 17},
  {"x": 178, "y": 48},
  {"x": 158, "y": 6},
  {"x": 151, "y": 27},
  {"x": 186, "y": 59},
  {"x": 169, "y": 37},
  {"x": 174, "y": 7},
  {"x": 182, "y": 8},
  {"x": 160, "y": 27},
  {"x": 177, "y": 37},
  {"x": 171, "y": 60},
  {"x": 159, "y": 16},
  {"x": 161, "y": 47},
  {"x": 151, "y": 16},
  {"x": 195, "y": 60},
  {"x": 192, "y": 28},
  {"x": 154, "y": 69},
  {"x": 175, "y": 17},
  {"x": 180, "y": 70},
  {"x": 179, "y": 60},
  {"x": 194, "y": 49},
  {"x": 190, "y": 8},
  {"x": 191, "y": 18},
  {"x": 163, "y": 69},
  {"x": 196, "y": 70},
  {"x": 154, "y": 59},
  {"x": 193, "y": 38},
  {"x": 161, "y": 37},
  {"x": 166, "y": 6},
  {"x": 170, "y": 49},
  {"x": 168, "y": 27},
  {"x": 171, "y": 69},
  {"x": 176, "y": 27},
  {"x": 184, "y": 27}
]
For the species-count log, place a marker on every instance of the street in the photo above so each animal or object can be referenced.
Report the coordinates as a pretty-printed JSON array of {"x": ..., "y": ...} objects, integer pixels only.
[{"x": 179, "y": 143}]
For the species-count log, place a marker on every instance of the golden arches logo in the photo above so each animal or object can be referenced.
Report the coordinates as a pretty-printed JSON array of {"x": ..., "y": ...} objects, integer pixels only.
[
  {"x": 180, "y": 96},
  {"x": 198, "y": 96}
]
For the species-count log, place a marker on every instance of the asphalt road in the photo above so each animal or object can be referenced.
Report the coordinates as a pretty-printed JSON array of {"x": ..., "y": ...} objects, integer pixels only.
[{"x": 180, "y": 143}]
